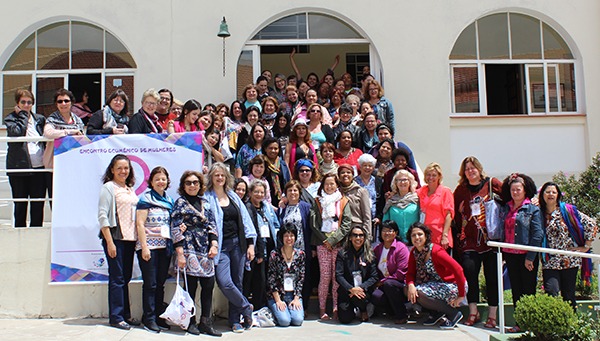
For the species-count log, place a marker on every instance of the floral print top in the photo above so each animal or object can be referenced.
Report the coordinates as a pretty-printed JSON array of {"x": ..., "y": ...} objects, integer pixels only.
[
  {"x": 278, "y": 269},
  {"x": 245, "y": 154},
  {"x": 558, "y": 237}
]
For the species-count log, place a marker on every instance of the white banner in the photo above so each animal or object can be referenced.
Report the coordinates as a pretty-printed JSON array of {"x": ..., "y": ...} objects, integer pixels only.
[{"x": 79, "y": 164}]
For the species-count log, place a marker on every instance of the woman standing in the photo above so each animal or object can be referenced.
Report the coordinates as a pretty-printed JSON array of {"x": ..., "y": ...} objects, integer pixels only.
[
  {"x": 277, "y": 172},
  {"x": 320, "y": 131},
  {"x": 403, "y": 206},
  {"x": 250, "y": 96},
  {"x": 366, "y": 138},
  {"x": 308, "y": 177},
  {"x": 251, "y": 149},
  {"x": 368, "y": 181},
  {"x": 327, "y": 164},
  {"x": 384, "y": 157},
  {"x": 301, "y": 215},
  {"x": 187, "y": 120},
  {"x": 358, "y": 199},
  {"x": 566, "y": 229},
  {"x": 300, "y": 145},
  {"x": 356, "y": 274},
  {"x": 522, "y": 223},
  {"x": 286, "y": 279},
  {"x": 234, "y": 124},
  {"x": 145, "y": 121},
  {"x": 250, "y": 119},
  {"x": 472, "y": 191},
  {"x": 112, "y": 119},
  {"x": 381, "y": 105},
  {"x": 266, "y": 224},
  {"x": 345, "y": 152},
  {"x": 153, "y": 218},
  {"x": 257, "y": 172},
  {"x": 236, "y": 238},
  {"x": 335, "y": 225},
  {"x": 391, "y": 256},
  {"x": 434, "y": 279},
  {"x": 118, "y": 234},
  {"x": 23, "y": 122},
  {"x": 60, "y": 123},
  {"x": 195, "y": 239},
  {"x": 437, "y": 206}
]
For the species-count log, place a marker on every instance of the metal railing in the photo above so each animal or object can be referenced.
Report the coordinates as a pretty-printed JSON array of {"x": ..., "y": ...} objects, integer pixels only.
[
  {"x": 4, "y": 170},
  {"x": 500, "y": 245}
]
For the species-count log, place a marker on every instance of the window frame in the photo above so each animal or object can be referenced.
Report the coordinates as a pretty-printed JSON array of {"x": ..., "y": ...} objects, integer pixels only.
[{"x": 527, "y": 64}]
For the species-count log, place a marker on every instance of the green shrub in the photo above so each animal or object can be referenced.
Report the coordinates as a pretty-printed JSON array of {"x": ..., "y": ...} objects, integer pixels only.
[
  {"x": 582, "y": 191},
  {"x": 586, "y": 328},
  {"x": 545, "y": 317}
]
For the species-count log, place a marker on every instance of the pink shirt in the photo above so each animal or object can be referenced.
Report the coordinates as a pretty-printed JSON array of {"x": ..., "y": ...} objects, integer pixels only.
[
  {"x": 436, "y": 207},
  {"x": 126, "y": 204},
  {"x": 179, "y": 127},
  {"x": 509, "y": 226}
]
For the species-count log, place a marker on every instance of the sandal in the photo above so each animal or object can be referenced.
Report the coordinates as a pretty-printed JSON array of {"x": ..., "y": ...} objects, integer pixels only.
[
  {"x": 490, "y": 323},
  {"x": 325, "y": 317},
  {"x": 472, "y": 319},
  {"x": 514, "y": 329}
]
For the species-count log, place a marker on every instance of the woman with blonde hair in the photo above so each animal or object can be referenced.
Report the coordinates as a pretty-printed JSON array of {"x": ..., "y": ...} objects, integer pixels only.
[
  {"x": 403, "y": 206},
  {"x": 437, "y": 206},
  {"x": 145, "y": 121},
  {"x": 373, "y": 92}
]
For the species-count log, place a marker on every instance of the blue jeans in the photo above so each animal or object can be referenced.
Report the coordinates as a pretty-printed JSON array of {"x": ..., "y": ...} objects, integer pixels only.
[
  {"x": 230, "y": 273},
  {"x": 119, "y": 275},
  {"x": 287, "y": 317},
  {"x": 154, "y": 273}
]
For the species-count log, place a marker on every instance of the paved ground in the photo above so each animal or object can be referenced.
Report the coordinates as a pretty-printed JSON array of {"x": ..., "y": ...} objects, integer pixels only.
[{"x": 98, "y": 330}]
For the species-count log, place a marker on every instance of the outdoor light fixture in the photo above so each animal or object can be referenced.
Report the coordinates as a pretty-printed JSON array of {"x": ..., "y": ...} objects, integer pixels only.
[{"x": 223, "y": 33}]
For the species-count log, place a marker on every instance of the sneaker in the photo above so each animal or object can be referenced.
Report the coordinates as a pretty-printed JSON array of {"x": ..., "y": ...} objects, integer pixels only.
[
  {"x": 450, "y": 324},
  {"x": 162, "y": 324},
  {"x": 434, "y": 318},
  {"x": 237, "y": 328}
]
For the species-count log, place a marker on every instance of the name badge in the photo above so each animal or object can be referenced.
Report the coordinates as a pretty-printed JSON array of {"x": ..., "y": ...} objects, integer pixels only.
[
  {"x": 288, "y": 282},
  {"x": 475, "y": 209},
  {"x": 422, "y": 218},
  {"x": 265, "y": 232},
  {"x": 357, "y": 276}
]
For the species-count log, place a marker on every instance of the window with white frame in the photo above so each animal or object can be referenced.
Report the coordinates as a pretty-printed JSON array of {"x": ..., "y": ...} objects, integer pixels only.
[
  {"x": 512, "y": 64},
  {"x": 67, "y": 54}
]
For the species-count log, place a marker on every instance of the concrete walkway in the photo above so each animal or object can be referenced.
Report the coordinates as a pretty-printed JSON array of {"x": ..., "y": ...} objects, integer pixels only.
[{"x": 99, "y": 330}]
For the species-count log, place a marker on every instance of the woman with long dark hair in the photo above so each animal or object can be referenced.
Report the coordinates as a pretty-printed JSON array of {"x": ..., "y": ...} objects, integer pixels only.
[{"x": 118, "y": 233}]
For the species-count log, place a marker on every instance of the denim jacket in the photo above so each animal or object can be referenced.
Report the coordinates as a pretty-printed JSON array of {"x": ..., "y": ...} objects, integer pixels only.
[{"x": 528, "y": 229}]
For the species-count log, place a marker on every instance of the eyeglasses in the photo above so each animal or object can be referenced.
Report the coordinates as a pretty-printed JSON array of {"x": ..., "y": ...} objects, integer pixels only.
[
  {"x": 26, "y": 102},
  {"x": 387, "y": 231},
  {"x": 304, "y": 170},
  {"x": 118, "y": 100},
  {"x": 402, "y": 180},
  {"x": 150, "y": 104},
  {"x": 165, "y": 99},
  {"x": 191, "y": 183},
  {"x": 61, "y": 101},
  {"x": 358, "y": 235}
]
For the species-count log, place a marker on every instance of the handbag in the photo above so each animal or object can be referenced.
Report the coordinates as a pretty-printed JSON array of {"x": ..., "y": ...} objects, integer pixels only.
[
  {"x": 263, "y": 318},
  {"x": 182, "y": 308},
  {"x": 493, "y": 223}
]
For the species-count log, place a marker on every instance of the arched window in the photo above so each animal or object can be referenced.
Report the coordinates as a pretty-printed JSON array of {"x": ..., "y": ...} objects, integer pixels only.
[
  {"x": 510, "y": 64},
  {"x": 71, "y": 54},
  {"x": 317, "y": 38}
]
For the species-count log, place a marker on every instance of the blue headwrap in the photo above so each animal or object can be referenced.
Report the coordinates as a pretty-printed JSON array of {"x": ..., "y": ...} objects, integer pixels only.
[{"x": 305, "y": 163}]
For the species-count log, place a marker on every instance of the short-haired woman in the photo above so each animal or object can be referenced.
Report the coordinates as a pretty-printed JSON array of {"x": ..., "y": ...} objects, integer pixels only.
[
  {"x": 434, "y": 279},
  {"x": 24, "y": 122},
  {"x": 194, "y": 233},
  {"x": 403, "y": 206},
  {"x": 153, "y": 218},
  {"x": 437, "y": 204},
  {"x": 112, "y": 119},
  {"x": 145, "y": 121}
]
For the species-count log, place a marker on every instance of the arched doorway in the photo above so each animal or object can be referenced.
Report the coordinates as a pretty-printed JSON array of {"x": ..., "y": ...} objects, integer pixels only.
[
  {"x": 317, "y": 39},
  {"x": 72, "y": 54}
]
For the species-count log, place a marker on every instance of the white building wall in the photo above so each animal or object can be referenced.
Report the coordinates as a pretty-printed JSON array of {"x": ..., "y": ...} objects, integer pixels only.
[{"x": 174, "y": 44}]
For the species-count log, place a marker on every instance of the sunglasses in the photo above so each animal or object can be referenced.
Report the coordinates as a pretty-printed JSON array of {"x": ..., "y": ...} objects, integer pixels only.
[
  {"x": 358, "y": 235},
  {"x": 61, "y": 101},
  {"x": 26, "y": 102},
  {"x": 192, "y": 183},
  {"x": 304, "y": 171}
]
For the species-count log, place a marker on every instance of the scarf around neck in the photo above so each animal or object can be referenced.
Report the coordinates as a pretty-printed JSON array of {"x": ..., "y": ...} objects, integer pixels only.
[
  {"x": 401, "y": 202},
  {"x": 151, "y": 199},
  {"x": 328, "y": 203}
]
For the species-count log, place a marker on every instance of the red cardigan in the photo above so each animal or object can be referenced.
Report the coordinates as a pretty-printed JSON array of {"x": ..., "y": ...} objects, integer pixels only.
[{"x": 448, "y": 269}]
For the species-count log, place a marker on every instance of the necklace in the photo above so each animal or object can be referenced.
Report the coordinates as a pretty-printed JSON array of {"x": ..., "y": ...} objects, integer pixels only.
[{"x": 285, "y": 256}]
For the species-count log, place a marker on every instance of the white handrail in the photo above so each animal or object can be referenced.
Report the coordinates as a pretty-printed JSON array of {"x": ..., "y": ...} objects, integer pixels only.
[
  {"x": 527, "y": 248},
  {"x": 8, "y": 139}
]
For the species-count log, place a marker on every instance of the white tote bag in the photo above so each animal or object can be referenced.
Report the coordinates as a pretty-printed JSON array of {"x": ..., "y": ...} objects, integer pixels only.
[{"x": 182, "y": 308}]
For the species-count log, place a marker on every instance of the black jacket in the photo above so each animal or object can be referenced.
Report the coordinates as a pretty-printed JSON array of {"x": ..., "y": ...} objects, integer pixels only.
[
  {"x": 17, "y": 156},
  {"x": 349, "y": 260},
  {"x": 138, "y": 124}
]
